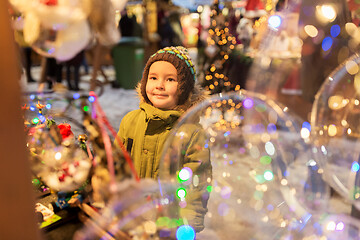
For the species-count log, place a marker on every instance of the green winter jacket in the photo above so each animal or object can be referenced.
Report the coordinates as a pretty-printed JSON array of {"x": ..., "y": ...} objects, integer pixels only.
[{"x": 144, "y": 132}]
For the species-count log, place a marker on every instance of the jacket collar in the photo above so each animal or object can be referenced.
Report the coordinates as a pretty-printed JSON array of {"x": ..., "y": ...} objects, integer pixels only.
[{"x": 153, "y": 113}]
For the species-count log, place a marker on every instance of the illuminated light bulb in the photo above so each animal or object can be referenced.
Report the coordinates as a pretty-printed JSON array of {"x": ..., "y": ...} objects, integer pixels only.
[
  {"x": 311, "y": 31},
  {"x": 355, "y": 167},
  {"x": 76, "y": 96},
  {"x": 58, "y": 155},
  {"x": 351, "y": 67},
  {"x": 268, "y": 175},
  {"x": 185, "y": 174},
  {"x": 269, "y": 148},
  {"x": 331, "y": 226},
  {"x": 311, "y": 163},
  {"x": 332, "y": 130},
  {"x": 265, "y": 160},
  {"x": 335, "y": 30},
  {"x": 336, "y": 102},
  {"x": 344, "y": 123},
  {"x": 351, "y": 29},
  {"x": 185, "y": 232},
  {"x": 305, "y": 133},
  {"x": 327, "y": 11},
  {"x": 340, "y": 226},
  {"x": 274, "y": 21},
  {"x": 86, "y": 108},
  {"x": 248, "y": 103},
  {"x": 327, "y": 43},
  {"x": 35, "y": 120},
  {"x": 181, "y": 193},
  {"x": 91, "y": 99},
  {"x": 284, "y": 182}
]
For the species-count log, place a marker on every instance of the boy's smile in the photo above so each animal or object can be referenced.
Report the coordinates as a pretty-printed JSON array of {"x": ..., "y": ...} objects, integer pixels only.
[{"x": 162, "y": 84}]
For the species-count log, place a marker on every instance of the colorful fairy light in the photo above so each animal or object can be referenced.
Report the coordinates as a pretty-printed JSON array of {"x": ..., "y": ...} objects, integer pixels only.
[
  {"x": 274, "y": 21},
  {"x": 268, "y": 175},
  {"x": 185, "y": 174},
  {"x": 185, "y": 232},
  {"x": 181, "y": 193},
  {"x": 76, "y": 96}
]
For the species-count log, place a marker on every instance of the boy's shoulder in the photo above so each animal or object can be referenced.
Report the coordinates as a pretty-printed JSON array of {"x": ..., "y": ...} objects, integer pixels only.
[
  {"x": 133, "y": 114},
  {"x": 131, "y": 118}
]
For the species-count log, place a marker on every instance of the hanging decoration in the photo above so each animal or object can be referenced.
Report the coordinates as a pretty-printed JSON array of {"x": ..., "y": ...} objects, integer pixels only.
[
  {"x": 254, "y": 9},
  {"x": 61, "y": 29}
]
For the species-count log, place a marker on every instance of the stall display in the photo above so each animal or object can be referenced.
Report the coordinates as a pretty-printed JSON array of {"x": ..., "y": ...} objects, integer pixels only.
[
  {"x": 71, "y": 158},
  {"x": 236, "y": 164}
]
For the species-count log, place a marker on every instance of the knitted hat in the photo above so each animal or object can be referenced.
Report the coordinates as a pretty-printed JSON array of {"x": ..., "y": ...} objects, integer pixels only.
[{"x": 180, "y": 59}]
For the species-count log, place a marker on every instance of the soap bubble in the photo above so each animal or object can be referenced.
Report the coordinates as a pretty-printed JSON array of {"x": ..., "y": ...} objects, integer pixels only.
[
  {"x": 240, "y": 165},
  {"x": 336, "y": 128},
  {"x": 58, "y": 155},
  {"x": 60, "y": 163}
]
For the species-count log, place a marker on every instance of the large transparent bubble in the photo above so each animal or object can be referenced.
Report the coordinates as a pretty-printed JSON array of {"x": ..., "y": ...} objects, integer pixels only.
[
  {"x": 241, "y": 168},
  {"x": 60, "y": 163},
  {"x": 336, "y": 128},
  {"x": 233, "y": 166},
  {"x": 57, "y": 139}
]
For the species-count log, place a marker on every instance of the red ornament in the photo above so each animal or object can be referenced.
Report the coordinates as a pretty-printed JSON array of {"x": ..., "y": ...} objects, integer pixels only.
[
  {"x": 254, "y": 8},
  {"x": 65, "y": 130},
  {"x": 49, "y": 2},
  {"x": 62, "y": 177}
]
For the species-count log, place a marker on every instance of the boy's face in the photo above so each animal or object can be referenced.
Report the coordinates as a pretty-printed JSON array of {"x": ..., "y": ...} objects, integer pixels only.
[{"x": 162, "y": 84}]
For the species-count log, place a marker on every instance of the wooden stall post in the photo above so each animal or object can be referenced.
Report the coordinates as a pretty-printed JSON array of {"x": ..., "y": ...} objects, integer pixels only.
[{"x": 17, "y": 209}]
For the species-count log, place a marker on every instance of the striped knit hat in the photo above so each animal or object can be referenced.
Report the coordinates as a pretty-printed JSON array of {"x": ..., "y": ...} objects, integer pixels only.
[{"x": 179, "y": 57}]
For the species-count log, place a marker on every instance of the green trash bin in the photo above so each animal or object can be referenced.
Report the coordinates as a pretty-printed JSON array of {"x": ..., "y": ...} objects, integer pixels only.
[{"x": 128, "y": 57}]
